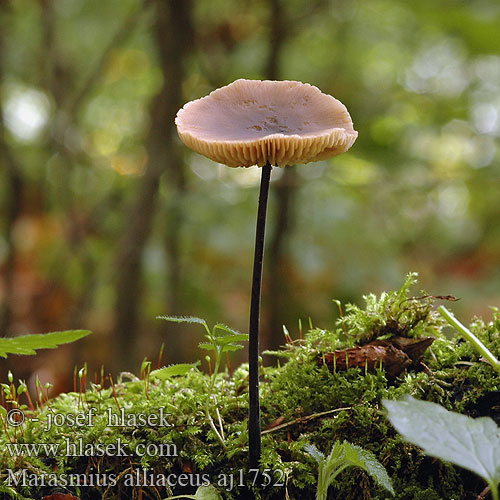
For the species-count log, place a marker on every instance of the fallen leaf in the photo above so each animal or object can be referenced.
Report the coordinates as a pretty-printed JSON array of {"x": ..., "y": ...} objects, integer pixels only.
[
  {"x": 60, "y": 496},
  {"x": 395, "y": 355}
]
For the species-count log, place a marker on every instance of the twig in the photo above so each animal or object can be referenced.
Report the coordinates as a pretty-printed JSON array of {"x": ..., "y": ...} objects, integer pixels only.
[{"x": 305, "y": 419}]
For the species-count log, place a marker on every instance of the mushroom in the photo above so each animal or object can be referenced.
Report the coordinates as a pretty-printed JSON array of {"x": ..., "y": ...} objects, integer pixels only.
[
  {"x": 264, "y": 123},
  {"x": 253, "y": 122}
]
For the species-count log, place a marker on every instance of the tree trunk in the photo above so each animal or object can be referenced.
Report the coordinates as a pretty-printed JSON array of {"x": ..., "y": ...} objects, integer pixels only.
[
  {"x": 173, "y": 32},
  {"x": 283, "y": 194},
  {"x": 12, "y": 203}
]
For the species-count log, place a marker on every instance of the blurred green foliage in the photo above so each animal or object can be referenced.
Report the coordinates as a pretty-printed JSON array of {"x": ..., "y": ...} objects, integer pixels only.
[{"x": 418, "y": 191}]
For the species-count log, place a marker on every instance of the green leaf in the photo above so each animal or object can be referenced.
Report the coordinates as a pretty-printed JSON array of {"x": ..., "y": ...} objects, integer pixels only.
[
  {"x": 173, "y": 370},
  {"x": 357, "y": 456},
  {"x": 207, "y": 493},
  {"x": 227, "y": 329},
  {"x": 473, "y": 444},
  {"x": 184, "y": 319},
  {"x": 231, "y": 347},
  {"x": 314, "y": 452},
  {"x": 231, "y": 338},
  {"x": 28, "y": 344},
  {"x": 11, "y": 492},
  {"x": 202, "y": 493},
  {"x": 206, "y": 346}
]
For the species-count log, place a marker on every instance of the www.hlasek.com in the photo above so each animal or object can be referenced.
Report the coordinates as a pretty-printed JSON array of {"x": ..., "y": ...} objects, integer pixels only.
[{"x": 81, "y": 449}]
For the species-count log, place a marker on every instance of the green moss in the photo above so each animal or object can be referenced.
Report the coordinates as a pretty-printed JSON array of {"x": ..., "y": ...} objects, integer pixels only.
[{"x": 302, "y": 402}]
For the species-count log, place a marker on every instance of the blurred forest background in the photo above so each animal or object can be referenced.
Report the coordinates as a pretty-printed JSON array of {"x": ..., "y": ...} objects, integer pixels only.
[{"x": 107, "y": 220}]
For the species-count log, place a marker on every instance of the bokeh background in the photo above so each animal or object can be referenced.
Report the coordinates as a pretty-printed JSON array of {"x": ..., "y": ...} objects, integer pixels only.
[{"x": 107, "y": 220}]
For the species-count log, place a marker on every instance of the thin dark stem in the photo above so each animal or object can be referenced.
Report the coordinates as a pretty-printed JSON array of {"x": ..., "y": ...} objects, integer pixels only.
[{"x": 254, "y": 440}]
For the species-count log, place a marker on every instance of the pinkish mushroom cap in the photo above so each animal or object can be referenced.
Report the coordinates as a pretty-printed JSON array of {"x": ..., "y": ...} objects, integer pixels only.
[{"x": 251, "y": 122}]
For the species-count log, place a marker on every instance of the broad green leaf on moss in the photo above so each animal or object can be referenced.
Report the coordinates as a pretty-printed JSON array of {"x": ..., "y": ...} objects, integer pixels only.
[
  {"x": 29, "y": 344},
  {"x": 471, "y": 443},
  {"x": 173, "y": 370},
  {"x": 207, "y": 493},
  {"x": 202, "y": 493}
]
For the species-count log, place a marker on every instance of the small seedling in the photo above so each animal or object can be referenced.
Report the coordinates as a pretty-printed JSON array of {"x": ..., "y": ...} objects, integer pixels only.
[
  {"x": 221, "y": 339},
  {"x": 345, "y": 455},
  {"x": 473, "y": 444}
]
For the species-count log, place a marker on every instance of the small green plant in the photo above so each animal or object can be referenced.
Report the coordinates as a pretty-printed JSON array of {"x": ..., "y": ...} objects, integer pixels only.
[
  {"x": 29, "y": 344},
  {"x": 473, "y": 444},
  {"x": 12, "y": 394},
  {"x": 345, "y": 455},
  {"x": 221, "y": 339}
]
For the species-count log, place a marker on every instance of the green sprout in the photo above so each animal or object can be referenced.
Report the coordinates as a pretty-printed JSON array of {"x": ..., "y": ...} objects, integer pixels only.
[
  {"x": 220, "y": 339},
  {"x": 345, "y": 455}
]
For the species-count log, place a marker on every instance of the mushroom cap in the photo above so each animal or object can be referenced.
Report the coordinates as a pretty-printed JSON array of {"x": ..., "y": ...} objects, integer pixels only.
[{"x": 251, "y": 122}]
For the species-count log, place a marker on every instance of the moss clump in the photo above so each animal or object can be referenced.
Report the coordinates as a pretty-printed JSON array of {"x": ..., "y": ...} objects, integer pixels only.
[{"x": 173, "y": 449}]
